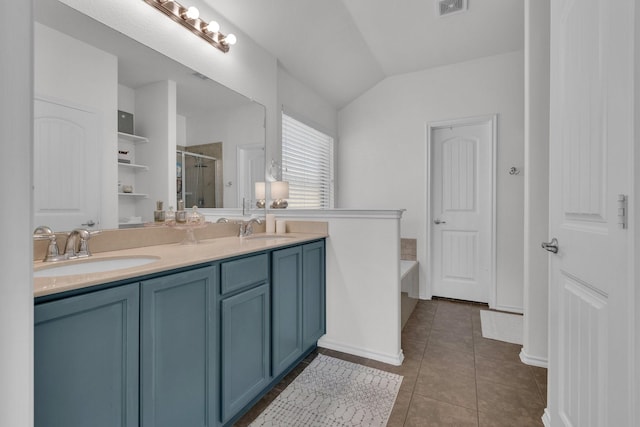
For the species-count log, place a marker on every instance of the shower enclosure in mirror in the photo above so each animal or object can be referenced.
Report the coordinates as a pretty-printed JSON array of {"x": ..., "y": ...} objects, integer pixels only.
[{"x": 197, "y": 180}]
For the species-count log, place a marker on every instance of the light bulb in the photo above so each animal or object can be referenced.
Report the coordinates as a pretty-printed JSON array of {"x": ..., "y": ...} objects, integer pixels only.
[
  {"x": 213, "y": 27},
  {"x": 192, "y": 13},
  {"x": 230, "y": 39}
]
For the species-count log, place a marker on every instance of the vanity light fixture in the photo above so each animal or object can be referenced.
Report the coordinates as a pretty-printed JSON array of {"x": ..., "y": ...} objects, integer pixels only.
[{"x": 189, "y": 17}]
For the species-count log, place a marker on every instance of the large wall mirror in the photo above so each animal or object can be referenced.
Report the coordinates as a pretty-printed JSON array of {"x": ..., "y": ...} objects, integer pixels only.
[{"x": 179, "y": 135}]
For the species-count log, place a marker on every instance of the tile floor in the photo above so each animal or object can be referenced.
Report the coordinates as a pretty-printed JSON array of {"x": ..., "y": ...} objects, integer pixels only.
[{"x": 452, "y": 376}]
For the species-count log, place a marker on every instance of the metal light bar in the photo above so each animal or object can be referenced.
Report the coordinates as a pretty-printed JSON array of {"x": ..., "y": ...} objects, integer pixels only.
[{"x": 197, "y": 26}]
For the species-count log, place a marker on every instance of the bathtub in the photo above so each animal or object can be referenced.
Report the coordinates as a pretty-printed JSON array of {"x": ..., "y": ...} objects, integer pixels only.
[{"x": 408, "y": 288}]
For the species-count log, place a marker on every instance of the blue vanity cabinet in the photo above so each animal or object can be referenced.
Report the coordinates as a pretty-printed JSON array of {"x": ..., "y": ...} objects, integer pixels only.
[
  {"x": 245, "y": 332},
  {"x": 286, "y": 285},
  {"x": 313, "y": 293},
  {"x": 179, "y": 377},
  {"x": 86, "y": 359}
]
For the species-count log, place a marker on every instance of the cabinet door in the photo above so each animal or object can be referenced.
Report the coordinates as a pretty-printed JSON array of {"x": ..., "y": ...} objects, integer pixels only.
[
  {"x": 86, "y": 359},
  {"x": 179, "y": 380},
  {"x": 286, "y": 284},
  {"x": 313, "y": 293},
  {"x": 245, "y": 348}
]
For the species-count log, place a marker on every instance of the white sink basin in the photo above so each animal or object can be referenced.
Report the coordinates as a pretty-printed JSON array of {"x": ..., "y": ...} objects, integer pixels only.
[{"x": 88, "y": 266}]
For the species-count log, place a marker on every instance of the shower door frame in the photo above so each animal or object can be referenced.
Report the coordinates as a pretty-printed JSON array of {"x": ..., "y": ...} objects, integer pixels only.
[{"x": 183, "y": 153}]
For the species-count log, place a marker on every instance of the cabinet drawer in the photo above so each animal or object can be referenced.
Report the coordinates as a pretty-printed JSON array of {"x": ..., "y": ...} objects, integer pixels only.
[{"x": 244, "y": 272}]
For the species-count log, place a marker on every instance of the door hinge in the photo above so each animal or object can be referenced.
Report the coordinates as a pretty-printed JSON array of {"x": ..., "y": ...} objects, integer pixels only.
[{"x": 622, "y": 211}]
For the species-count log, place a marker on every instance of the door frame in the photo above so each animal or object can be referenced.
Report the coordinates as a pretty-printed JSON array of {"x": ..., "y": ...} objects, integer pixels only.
[
  {"x": 492, "y": 120},
  {"x": 241, "y": 168}
]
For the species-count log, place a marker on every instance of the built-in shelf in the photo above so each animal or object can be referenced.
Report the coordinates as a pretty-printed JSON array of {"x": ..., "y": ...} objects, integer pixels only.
[
  {"x": 133, "y": 195},
  {"x": 134, "y": 166},
  {"x": 132, "y": 138}
]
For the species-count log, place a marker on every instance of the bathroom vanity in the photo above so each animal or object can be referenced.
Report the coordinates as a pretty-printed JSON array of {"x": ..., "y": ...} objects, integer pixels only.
[{"x": 188, "y": 345}]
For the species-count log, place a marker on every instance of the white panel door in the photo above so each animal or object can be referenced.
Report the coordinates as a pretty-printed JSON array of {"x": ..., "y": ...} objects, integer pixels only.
[
  {"x": 461, "y": 210},
  {"x": 66, "y": 167},
  {"x": 591, "y": 142}
]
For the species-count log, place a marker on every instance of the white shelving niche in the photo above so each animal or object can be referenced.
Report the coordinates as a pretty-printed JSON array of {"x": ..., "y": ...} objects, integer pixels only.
[{"x": 128, "y": 212}]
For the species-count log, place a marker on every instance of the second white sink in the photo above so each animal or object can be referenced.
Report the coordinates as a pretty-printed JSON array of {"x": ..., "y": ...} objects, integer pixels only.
[{"x": 89, "y": 266}]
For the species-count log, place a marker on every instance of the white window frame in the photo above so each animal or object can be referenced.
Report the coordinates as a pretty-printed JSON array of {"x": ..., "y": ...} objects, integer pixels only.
[{"x": 310, "y": 168}]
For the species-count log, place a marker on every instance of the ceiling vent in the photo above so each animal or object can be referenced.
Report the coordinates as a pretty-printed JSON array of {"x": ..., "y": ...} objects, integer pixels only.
[{"x": 451, "y": 7}]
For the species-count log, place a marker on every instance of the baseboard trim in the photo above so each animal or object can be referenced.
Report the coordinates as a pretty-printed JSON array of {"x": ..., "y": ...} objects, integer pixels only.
[
  {"x": 540, "y": 362},
  {"x": 546, "y": 418},
  {"x": 391, "y": 359}
]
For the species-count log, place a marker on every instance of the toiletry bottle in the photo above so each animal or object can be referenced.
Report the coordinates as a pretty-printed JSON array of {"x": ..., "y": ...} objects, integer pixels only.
[
  {"x": 194, "y": 217},
  {"x": 170, "y": 217},
  {"x": 181, "y": 214},
  {"x": 158, "y": 214}
]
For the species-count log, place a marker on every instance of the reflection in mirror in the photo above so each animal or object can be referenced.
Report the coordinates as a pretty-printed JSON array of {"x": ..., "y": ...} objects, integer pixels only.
[{"x": 176, "y": 134}]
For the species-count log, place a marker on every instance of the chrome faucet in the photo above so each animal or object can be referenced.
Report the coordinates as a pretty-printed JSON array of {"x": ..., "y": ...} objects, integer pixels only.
[
  {"x": 246, "y": 227},
  {"x": 77, "y": 245}
]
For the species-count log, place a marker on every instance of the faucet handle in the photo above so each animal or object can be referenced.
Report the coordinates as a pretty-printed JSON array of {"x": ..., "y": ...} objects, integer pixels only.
[
  {"x": 45, "y": 233},
  {"x": 85, "y": 235}
]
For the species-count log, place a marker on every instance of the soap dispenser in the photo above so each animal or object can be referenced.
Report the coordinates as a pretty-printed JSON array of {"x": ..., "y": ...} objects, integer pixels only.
[
  {"x": 181, "y": 214},
  {"x": 158, "y": 214}
]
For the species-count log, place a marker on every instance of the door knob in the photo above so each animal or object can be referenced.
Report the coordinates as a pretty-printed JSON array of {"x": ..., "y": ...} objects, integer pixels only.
[
  {"x": 89, "y": 223},
  {"x": 551, "y": 246},
  {"x": 439, "y": 221}
]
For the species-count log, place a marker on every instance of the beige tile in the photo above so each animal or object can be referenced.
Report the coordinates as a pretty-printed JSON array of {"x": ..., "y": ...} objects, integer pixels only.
[
  {"x": 450, "y": 341},
  {"x": 540, "y": 375},
  {"x": 457, "y": 362},
  {"x": 508, "y": 420},
  {"x": 408, "y": 249},
  {"x": 458, "y": 326},
  {"x": 498, "y": 399},
  {"x": 494, "y": 349},
  {"x": 446, "y": 386},
  {"x": 425, "y": 412},
  {"x": 413, "y": 350},
  {"x": 515, "y": 374}
]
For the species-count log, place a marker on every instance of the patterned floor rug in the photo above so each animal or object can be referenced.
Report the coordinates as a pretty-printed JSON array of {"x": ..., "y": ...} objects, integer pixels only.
[
  {"x": 502, "y": 326},
  {"x": 334, "y": 392}
]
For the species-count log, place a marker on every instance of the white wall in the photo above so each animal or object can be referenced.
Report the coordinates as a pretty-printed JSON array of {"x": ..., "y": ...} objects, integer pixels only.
[
  {"x": 300, "y": 100},
  {"x": 127, "y": 99},
  {"x": 383, "y": 145},
  {"x": 536, "y": 179},
  {"x": 156, "y": 119},
  {"x": 243, "y": 125},
  {"x": 67, "y": 69},
  {"x": 16, "y": 286}
]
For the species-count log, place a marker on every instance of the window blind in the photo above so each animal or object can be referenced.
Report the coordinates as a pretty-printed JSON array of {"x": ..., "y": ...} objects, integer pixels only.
[{"x": 307, "y": 164}]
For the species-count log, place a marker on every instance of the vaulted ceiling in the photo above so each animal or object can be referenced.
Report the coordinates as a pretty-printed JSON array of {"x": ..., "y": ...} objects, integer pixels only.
[{"x": 341, "y": 48}]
